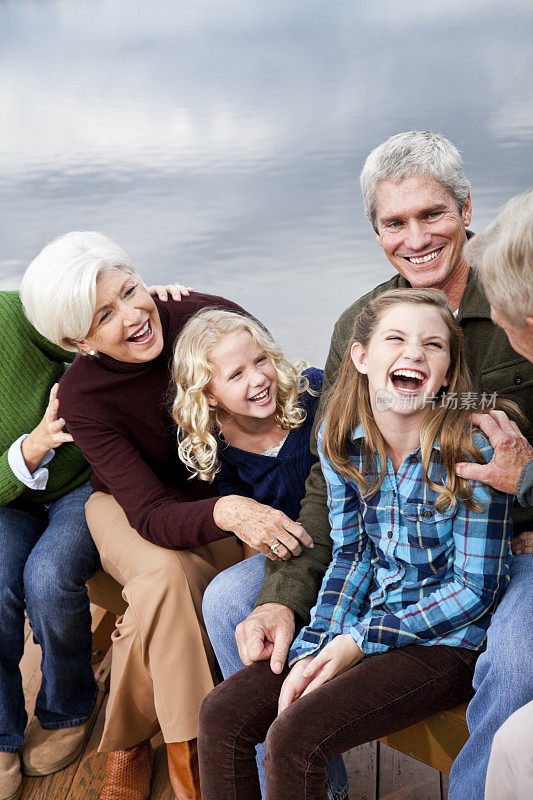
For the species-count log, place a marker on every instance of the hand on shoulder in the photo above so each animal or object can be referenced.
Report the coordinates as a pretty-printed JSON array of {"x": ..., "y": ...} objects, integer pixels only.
[{"x": 511, "y": 453}]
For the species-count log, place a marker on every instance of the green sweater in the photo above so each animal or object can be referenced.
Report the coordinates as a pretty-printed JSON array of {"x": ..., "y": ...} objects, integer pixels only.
[
  {"x": 495, "y": 367},
  {"x": 29, "y": 366}
]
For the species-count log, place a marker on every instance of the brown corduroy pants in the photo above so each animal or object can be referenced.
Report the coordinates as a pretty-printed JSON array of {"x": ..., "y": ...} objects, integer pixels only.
[
  {"x": 379, "y": 696},
  {"x": 162, "y": 661}
]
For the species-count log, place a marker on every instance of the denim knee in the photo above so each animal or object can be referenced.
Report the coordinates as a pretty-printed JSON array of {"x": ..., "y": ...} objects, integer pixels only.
[
  {"x": 218, "y": 602},
  {"x": 231, "y": 595},
  {"x": 510, "y": 635},
  {"x": 46, "y": 580}
]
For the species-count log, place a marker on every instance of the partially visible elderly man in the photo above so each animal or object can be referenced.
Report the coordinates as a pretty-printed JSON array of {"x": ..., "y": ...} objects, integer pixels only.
[
  {"x": 502, "y": 256},
  {"x": 418, "y": 200}
]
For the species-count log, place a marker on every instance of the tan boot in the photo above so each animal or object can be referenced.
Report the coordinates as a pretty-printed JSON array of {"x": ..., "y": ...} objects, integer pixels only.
[
  {"x": 183, "y": 770},
  {"x": 128, "y": 773},
  {"x": 10, "y": 776},
  {"x": 48, "y": 751}
]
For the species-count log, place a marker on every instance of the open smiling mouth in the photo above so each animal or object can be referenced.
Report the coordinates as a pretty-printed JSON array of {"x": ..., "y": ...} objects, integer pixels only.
[
  {"x": 408, "y": 381},
  {"x": 262, "y": 398},
  {"x": 424, "y": 259},
  {"x": 143, "y": 334}
]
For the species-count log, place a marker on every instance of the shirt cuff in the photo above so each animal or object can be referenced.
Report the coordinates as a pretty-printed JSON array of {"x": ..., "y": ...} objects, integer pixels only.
[
  {"x": 35, "y": 480},
  {"x": 360, "y": 637},
  {"x": 303, "y": 647},
  {"x": 524, "y": 490}
]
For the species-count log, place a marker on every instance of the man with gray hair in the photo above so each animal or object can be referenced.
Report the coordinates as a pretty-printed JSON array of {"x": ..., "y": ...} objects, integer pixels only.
[{"x": 418, "y": 200}]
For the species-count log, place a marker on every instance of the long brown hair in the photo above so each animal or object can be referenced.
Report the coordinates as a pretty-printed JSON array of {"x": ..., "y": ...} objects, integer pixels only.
[{"x": 349, "y": 406}]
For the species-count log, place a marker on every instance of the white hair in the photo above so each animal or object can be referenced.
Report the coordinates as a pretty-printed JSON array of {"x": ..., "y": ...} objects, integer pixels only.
[
  {"x": 58, "y": 290},
  {"x": 502, "y": 257},
  {"x": 413, "y": 153}
]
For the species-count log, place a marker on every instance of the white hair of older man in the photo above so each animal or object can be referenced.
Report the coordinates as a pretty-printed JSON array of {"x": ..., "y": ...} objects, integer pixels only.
[
  {"x": 502, "y": 256},
  {"x": 413, "y": 153},
  {"x": 58, "y": 290}
]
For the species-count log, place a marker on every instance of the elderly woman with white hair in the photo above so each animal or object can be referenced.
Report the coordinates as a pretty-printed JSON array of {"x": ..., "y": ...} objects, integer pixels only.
[
  {"x": 160, "y": 534},
  {"x": 501, "y": 712}
]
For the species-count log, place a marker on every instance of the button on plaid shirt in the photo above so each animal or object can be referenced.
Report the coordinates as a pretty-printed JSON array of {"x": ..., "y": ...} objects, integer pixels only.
[{"x": 402, "y": 573}]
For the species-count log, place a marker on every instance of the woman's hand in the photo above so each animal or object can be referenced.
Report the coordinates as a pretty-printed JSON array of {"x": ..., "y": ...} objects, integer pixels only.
[
  {"x": 261, "y": 527},
  {"x": 176, "y": 290},
  {"x": 337, "y": 656},
  {"x": 48, "y": 434}
]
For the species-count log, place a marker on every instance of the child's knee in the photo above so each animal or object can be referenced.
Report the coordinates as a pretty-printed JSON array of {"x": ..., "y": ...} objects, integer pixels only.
[{"x": 285, "y": 738}]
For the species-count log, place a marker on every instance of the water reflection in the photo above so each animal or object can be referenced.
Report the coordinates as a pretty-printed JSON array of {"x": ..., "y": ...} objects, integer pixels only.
[{"x": 220, "y": 142}]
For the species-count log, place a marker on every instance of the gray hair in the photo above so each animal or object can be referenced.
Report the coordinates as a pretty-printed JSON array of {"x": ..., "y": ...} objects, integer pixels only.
[
  {"x": 413, "y": 153},
  {"x": 58, "y": 290},
  {"x": 502, "y": 257}
]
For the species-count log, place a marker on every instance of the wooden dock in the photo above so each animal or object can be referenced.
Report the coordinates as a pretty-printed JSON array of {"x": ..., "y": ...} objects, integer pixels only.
[{"x": 376, "y": 772}]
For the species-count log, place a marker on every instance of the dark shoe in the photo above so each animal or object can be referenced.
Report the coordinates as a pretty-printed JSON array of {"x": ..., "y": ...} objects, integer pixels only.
[
  {"x": 128, "y": 773},
  {"x": 183, "y": 770}
]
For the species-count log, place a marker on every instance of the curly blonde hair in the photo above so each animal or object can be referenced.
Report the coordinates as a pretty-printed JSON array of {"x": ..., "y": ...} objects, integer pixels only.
[{"x": 192, "y": 372}]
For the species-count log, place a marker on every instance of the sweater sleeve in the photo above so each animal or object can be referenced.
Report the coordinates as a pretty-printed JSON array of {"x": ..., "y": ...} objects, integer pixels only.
[
  {"x": 10, "y": 486},
  {"x": 162, "y": 514}
]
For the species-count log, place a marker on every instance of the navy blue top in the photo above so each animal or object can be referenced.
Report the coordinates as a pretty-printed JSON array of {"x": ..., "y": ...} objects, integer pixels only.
[{"x": 277, "y": 481}]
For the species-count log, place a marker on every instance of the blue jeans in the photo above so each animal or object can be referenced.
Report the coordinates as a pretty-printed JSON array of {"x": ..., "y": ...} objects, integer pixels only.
[
  {"x": 503, "y": 681},
  {"x": 46, "y": 555},
  {"x": 228, "y": 599}
]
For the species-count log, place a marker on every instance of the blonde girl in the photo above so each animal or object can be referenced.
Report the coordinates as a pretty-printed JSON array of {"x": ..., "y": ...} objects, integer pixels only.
[
  {"x": 420, "y": 561},
  {"x": 245, "y": 415},
  {"x": 244, "y": 411}
]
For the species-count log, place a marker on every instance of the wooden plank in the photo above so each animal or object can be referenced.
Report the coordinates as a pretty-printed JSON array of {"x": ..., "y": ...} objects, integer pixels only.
[
  {"x": 161, "y": 788},
  {"x": 404, "y": 778},
  {"x": 103, "y": 625},
  {"x": 86, "y": 783},
  {"x": 436, "y": 740},
  {"x": 102, "y": 673},
  {"x": 362, "y": 768},
  {"x": 30, "y": 666}
]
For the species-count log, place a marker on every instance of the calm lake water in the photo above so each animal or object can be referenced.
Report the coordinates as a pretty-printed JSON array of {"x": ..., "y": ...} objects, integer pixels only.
[{"x": 219, "y": 141}]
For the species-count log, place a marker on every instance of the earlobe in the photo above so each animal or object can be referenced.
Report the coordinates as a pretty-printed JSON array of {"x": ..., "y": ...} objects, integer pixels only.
[
  {"x": 83, "y": 347},
  {"x": 358, "y": 356},
  {"x": 211, "y": 401}
]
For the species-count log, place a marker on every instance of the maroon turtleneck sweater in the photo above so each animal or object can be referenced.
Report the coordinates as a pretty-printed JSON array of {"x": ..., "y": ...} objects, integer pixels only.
[{"x": 120, "y": 416}]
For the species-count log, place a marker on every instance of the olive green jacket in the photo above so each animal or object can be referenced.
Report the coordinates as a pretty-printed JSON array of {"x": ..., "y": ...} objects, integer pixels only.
[{"x": 495, "y": 367}]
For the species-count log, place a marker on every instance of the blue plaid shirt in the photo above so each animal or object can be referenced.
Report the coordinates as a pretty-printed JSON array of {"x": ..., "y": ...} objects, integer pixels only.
[{"x": 403, "y": 573}]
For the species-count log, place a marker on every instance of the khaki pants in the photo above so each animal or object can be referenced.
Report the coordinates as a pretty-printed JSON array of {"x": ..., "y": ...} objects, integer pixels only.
[
  {"x": 163, "y": 664},
  {"x": 510, "y": 771}
]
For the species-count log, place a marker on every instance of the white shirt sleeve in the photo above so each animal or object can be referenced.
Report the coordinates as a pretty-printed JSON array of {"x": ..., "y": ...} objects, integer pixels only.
[{"x": 35, "y": 480}]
